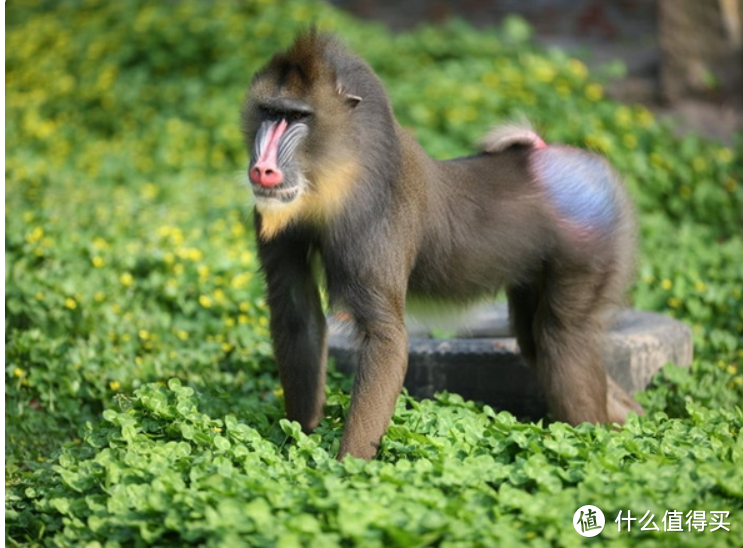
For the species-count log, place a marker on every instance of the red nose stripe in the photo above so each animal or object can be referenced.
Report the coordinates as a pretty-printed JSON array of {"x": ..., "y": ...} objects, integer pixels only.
[{"x": 265, "y": 171}]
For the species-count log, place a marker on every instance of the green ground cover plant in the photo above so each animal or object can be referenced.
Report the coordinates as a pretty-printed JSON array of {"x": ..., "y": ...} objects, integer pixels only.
[{"x": 142, "y": 403}]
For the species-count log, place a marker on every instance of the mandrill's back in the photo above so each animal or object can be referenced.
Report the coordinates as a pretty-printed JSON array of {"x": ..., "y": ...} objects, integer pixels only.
[
  {"x": 484, "y": 224},
  {"x": 488, "y": 223}
]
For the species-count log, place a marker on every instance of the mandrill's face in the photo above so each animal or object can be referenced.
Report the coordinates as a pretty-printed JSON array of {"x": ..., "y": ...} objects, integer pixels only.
[
  {"x": 296, "y": 122},
  {"x": 279, "y": 129}
]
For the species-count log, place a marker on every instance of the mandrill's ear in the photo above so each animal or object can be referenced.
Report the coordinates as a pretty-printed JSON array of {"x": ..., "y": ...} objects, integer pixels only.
[{"x": 351, "y": 100}]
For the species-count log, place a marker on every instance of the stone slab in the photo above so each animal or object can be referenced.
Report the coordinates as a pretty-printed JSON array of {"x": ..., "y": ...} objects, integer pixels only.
[{"x": 482, "y": 362}]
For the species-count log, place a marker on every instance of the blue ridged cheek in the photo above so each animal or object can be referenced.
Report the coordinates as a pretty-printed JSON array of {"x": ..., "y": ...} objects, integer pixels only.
[{"x": 579, "y": 185}]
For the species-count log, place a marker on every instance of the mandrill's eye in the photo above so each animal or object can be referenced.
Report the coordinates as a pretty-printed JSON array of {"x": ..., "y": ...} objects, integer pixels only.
[
  {"x": 290, "y": 110},
  {"x": 270, "y": 112},
  {"x": 297, "y": 115}
]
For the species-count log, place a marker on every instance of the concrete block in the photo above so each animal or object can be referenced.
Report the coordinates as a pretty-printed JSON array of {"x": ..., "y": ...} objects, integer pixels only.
[{"x": 482, "y": 362}]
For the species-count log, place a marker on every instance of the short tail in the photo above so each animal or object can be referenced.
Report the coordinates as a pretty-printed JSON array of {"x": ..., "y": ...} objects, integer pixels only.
[{"x": 502, "y": 137}]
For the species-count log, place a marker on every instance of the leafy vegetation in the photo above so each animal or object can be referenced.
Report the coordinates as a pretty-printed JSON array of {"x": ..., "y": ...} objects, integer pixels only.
[{"x": 142, "y": 404}]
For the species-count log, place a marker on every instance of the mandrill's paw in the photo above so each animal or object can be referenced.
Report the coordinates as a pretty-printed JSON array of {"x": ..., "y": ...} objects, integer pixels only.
[{"x": 619, "y": 403}]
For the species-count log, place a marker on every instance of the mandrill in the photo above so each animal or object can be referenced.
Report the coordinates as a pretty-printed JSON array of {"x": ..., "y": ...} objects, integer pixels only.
[{"x": 337, "y": 182}]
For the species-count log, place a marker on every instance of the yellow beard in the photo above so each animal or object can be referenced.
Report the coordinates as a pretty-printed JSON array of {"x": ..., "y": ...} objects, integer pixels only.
[{"x": 318, "y": 205}]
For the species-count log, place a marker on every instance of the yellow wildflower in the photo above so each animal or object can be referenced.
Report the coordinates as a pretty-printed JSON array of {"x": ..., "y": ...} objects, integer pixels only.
[
  {"x": 149, "y": 191},
  {"x": 724, "y": 155},
  {"x": 594, "y": 92},
  {"x": 699, "y": 164},
  {"x": 644, "y": 117},
  {"x": 35, "y": 235},
  {"x": 237, "y": 229},
  {"x": 629, "y": 140},
  {"x": 577, "y": 68}
]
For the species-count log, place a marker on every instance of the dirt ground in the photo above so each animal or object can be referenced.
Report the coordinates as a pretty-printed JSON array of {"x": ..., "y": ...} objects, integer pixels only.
[{"x": 595, "y": 32}]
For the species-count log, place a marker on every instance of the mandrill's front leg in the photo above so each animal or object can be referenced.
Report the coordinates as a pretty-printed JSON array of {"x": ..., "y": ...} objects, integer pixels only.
[
  {"x": 383, "y": 362},
  {"x": 298, "y": 328}
]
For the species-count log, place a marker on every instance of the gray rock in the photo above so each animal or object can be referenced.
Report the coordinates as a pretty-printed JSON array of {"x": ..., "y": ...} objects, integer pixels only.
[{"x": 482, "y": 362}]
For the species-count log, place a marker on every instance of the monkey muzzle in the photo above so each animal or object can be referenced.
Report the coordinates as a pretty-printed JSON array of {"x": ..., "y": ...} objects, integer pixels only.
[
  {"x": 275, "y": 196},
  {"x": 264, "y": 170},
  {"x": 273, "y": 172}
]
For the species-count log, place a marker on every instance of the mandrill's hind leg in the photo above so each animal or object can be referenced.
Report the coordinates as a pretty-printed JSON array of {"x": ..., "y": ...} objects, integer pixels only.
[
  {"x": 620, "y": 403},
  {"x": 559, "y": 322}
]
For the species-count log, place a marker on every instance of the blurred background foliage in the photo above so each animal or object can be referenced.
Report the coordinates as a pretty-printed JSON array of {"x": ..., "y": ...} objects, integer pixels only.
[{"x": 129, "y": 255}]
